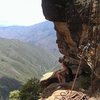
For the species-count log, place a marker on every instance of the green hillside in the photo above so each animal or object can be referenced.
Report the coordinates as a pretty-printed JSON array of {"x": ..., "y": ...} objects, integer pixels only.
[
  {"x": 22, "y": 61},
  {"x": 41, "y": 34},
  {"x": 19, "y": 62}
]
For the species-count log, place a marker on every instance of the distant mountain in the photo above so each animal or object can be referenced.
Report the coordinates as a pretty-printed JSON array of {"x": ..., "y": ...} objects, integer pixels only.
[
  {"x": 23, "y": 60},
  {"x": 20, "y": 61},
  {"x": 42, "y": 35}
]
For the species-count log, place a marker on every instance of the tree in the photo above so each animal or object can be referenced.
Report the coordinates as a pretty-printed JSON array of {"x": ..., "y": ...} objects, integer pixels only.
[
  {"x": 14, "y": 95},
  {"x": 31, "y": 90}
]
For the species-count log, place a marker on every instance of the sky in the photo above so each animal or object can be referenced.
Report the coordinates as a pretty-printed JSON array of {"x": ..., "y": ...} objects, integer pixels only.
[{"x": 20, "y": 12}]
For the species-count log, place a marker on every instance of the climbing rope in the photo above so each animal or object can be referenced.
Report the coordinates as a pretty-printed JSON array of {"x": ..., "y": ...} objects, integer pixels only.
[
  {"x": 76, "y": 74},
  {"x": 88, "y": 52},
  {"x": 70, "y": 94}
]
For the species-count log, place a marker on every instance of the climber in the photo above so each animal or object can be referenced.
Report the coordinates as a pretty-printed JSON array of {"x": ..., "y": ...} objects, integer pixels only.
[{"x": 65, "y": 74}]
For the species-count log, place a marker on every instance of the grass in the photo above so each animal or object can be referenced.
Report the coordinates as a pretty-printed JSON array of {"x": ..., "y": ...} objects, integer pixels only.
[{"x": 21, "y": 61}]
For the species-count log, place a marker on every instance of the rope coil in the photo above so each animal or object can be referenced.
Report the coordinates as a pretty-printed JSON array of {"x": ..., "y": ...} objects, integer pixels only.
[
  {"x": 87, "y": 51},
  {"x": 74, "y": 95}
]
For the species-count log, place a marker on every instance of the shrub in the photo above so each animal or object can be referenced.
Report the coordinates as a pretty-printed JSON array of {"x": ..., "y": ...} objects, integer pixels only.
[
  {"x": 14, "y": 95},
  {"x": 31, "y": 90}
]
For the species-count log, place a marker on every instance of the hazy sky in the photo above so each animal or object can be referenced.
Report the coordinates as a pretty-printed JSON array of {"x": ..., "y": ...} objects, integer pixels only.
[{"x": 20, "y": 12}]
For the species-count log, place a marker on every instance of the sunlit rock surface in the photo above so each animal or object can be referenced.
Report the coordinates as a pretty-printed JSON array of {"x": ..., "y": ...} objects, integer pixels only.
[{"x": 71, "y": 22}]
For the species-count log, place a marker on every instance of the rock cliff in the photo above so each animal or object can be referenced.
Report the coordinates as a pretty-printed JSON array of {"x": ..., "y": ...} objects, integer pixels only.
[{"x": 77, "y": 25}]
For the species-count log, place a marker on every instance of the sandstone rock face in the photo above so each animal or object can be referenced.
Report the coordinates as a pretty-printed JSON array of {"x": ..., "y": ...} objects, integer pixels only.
[
  {"x": 68, "y": 23},
  {"x": 53, "y": 8},
  {"x": 72, "y": 22}
]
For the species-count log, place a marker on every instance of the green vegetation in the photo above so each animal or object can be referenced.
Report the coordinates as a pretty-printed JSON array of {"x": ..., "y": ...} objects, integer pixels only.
[
  {"x": 42, "y": 35},
  {"x": 20, "y": 61},
  {"x": 14, "y": 95},
  {"x": 31, "y": 90},
  {"x": 7, "y": 85}
]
